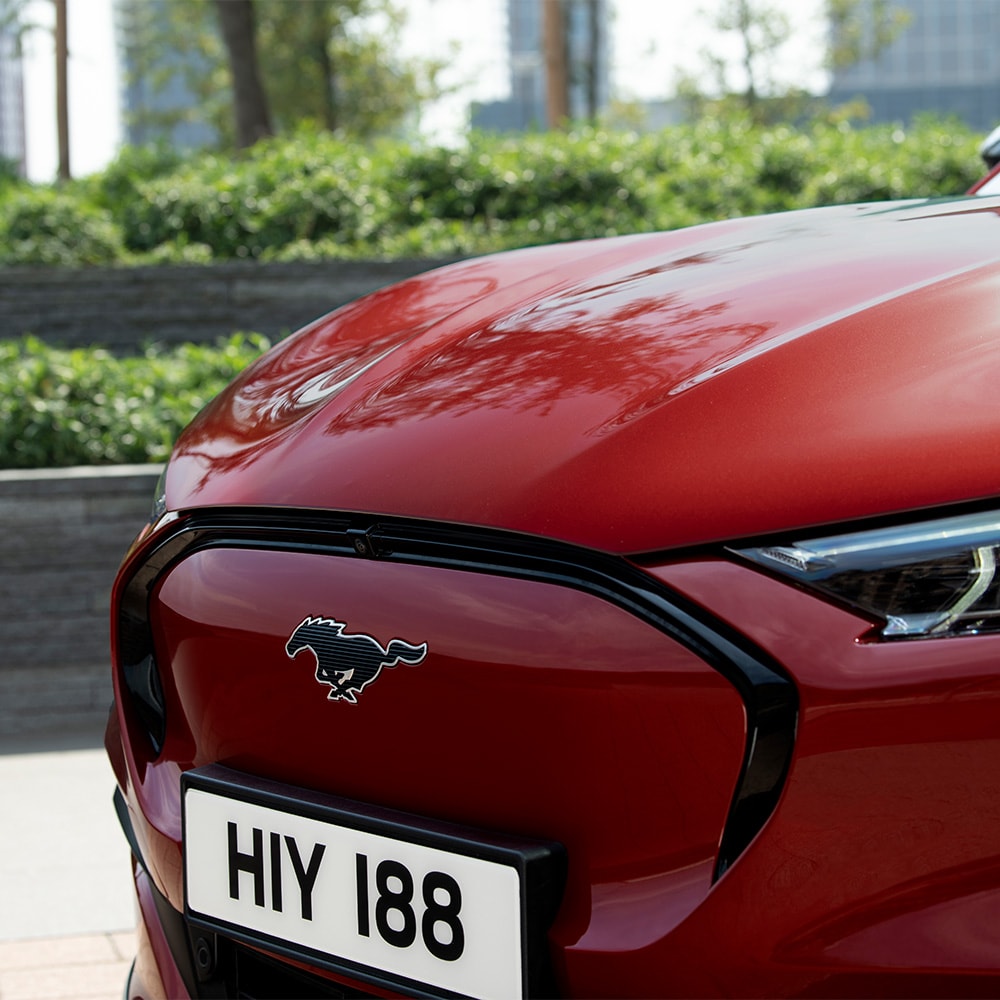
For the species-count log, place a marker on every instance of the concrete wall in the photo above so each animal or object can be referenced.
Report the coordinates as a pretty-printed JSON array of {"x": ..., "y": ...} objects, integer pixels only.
[
  {"x": 123, "y": 307},
  {"x": 63, "y": 533}
]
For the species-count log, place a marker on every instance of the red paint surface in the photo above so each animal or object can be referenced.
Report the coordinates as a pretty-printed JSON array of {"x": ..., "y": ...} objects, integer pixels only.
[
  {"x": 877, "y": 874},
  {"x": 640, "y": 393},
  {"x": 538, "y": 711},
  {"x": 988, "y": 184},
  {"x": 630, "y": 395}
]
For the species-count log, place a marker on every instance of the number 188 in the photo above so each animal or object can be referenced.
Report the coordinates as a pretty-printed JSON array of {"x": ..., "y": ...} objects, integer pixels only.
[{"x": 442, "y": 902}]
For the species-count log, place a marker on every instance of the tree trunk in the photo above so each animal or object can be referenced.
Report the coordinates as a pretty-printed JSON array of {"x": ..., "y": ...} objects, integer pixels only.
[
  {"x": 593, "y": 58},
  {"x": 320, "y": 36},
  {"x": 556, "y": 76},
  {"x": 749, "y": 54},
  {"x": 62, "y": 90},
  {"x": 253, "y": 118}
]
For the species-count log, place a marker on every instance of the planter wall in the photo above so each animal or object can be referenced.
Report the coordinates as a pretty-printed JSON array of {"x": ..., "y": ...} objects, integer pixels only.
[
  {"x": 63, "y": 533},
  {"x": 123, "y": 307}
]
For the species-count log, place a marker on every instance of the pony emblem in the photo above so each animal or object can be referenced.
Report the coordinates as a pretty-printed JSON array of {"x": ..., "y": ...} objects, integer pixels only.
[{"x": 348, "y": 661}]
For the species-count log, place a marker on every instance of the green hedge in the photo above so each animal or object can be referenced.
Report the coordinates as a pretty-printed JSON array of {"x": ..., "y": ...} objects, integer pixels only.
[
  {"x": 314, "y": 195},
  {"x": 45, "y": 227},
  {"x": 87, "y": 407}
]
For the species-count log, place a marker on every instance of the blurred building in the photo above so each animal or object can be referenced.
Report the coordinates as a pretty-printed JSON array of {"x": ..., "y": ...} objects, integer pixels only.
[
  {"x": 587, "y": 60},
  {"x": 157, "y": 104},
  {"x": 944, "y": 61},
  {"x": 12, "y": 136}
]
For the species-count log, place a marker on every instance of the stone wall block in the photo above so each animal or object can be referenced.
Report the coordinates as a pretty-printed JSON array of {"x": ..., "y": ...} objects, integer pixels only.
[
  {"x": 63, "y": 534},
  {"x": 123, "y": 308}
]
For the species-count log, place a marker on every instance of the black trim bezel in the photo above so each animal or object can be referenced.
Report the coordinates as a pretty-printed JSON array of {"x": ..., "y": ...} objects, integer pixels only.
[
  {"x": 171, "y": 921},
  {"x": 769, "y": 696}
]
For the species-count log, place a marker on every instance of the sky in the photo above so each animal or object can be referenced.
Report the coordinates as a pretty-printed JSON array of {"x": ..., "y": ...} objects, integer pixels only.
[
  {"x": 95, "y": 127},
  {"x": 652, "y": 39}
]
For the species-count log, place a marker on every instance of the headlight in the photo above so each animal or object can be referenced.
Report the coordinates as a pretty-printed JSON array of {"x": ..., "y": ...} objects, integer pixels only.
[
  {"x": 933, "y": 578},
  {"x": 159, "y": 505}
]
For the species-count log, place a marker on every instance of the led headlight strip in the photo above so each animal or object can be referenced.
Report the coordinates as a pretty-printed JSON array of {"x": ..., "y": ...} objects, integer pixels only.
[{"x": 931, "y": 578}]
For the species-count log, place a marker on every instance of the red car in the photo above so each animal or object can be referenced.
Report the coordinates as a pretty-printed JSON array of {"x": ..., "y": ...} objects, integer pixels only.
[
  {"x": 990, "y": 184},
  {"x": 617, "y": 618}
]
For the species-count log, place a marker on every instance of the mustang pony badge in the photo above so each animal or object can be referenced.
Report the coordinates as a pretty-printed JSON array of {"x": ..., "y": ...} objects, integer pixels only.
[{"x": 348, "y": 662}]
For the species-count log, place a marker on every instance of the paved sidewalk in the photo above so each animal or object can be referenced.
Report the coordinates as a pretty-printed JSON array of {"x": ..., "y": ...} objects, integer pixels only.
[
  {"x": 87, "y": 967},
  {"x": 67, "y": 914}
]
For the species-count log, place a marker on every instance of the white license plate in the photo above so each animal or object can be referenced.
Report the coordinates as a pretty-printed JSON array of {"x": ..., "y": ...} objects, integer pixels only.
[{"x": 397, "y": 903}]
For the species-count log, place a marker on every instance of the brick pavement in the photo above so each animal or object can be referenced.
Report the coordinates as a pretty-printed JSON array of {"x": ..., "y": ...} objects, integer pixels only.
[{"x": 79, "y": 967}]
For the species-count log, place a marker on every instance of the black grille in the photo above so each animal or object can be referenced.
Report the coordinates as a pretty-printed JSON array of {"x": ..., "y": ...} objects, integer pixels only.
[{"x": 248, "y": 975}]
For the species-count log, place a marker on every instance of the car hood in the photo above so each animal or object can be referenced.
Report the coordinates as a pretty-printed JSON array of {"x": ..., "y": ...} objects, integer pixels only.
[{"x": 640, "y": 393}]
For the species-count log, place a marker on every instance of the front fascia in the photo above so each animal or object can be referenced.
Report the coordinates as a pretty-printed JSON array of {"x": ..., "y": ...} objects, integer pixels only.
[{"x": 768, "y": 696}]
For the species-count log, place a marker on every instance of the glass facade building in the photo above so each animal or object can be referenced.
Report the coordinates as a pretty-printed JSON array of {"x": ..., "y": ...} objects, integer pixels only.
[
  {"x": 587, "y": 61},
  {"x": 944, "y": 61},
  {"x": 12, "y": 135}
]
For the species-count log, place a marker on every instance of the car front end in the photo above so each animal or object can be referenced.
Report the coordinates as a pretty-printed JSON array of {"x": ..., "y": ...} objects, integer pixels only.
[{"x": 612, "y": 619}]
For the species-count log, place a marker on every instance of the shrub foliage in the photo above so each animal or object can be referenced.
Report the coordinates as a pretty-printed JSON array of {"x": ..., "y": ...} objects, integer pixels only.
[
  {"x": 87, "y": 407},
  {"x": 316, "y": 195}
]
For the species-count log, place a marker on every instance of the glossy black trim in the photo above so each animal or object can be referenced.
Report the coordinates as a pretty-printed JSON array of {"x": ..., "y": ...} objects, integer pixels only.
[
  {"x": 172, "y": 923},
  {"x": 768, "y": 694},
  {"x": 125, "y": 821}
]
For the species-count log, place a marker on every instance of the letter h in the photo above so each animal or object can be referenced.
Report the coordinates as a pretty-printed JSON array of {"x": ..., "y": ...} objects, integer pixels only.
[{"x": 252, "y": 863}]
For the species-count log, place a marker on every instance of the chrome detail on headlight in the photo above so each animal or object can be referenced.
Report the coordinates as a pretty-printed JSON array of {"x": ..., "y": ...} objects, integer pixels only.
[
  {"x": 159, "y": 505},
  {"x": 932, "y": 578}
]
